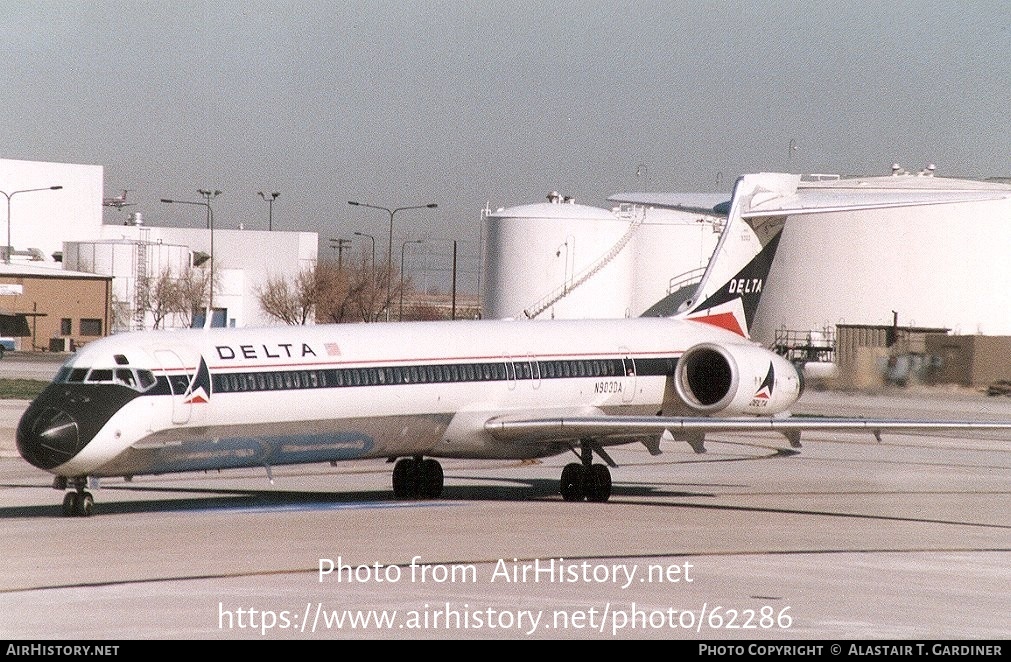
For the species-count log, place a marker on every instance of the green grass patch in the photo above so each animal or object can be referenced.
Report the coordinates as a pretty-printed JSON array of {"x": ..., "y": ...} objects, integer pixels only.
[{"x": 20, "y": 389}]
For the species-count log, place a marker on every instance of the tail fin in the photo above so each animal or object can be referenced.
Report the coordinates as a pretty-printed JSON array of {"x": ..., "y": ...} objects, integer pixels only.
[{"x": 729, "y": 292}]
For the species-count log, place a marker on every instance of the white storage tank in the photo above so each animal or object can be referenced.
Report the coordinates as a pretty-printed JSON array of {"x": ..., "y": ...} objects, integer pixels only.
[
  {"x": 938, "y": 266},
  {"x": 670, "y": 250},
  {"x": 557, "y": 260}
]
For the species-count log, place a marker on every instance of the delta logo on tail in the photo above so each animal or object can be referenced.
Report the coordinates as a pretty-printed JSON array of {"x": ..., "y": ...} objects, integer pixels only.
[
  {"x": 734, "y": 305},
  {"x": 763, "y": 395},
  {"x": 199, "y": 390}
]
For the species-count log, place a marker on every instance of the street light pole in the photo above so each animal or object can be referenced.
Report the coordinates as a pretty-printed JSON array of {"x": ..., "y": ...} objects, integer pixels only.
[
  {"x": 400, "y": 316},
  {"x": 389, "y": 245},
  {"x": 7, "y": 257},
  {"x": 453, "y": 300},
  {"x": 208, "y": 196},
  {"x": 270, "y": 211},
  {"x": 373, "y": 239}
]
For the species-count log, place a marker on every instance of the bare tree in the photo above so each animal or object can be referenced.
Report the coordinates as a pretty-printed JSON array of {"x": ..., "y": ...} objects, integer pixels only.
[
  {"x": 292, "y": 302},
  {"x": 169, "y": 295},
  {"x": 330, "y": 293},
  {"x": 193, "y": 293},
  {"x": 338, "y": 290},
  {"x": 379, "y": 292},
  {"x": 160, "y": 297}
]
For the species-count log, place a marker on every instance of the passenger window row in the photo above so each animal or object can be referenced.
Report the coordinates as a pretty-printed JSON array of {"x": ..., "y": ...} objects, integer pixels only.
[{"x": 416, "y": 374}]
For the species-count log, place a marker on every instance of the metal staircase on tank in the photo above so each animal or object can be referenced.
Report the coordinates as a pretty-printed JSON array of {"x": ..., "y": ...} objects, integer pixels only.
[
  {"x": 636, "y": 214},
  {"x": 141, "y": 280}
]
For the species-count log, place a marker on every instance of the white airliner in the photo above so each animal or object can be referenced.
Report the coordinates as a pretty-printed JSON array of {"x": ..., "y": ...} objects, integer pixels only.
[
  {"x": 161, "y": 401},
  {"x": 117, "y": 201}
]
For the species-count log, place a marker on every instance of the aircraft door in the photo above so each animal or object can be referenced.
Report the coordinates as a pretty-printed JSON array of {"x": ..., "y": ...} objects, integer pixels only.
[
  {"x": 179, "y": 380},
  {"x": 535, "y": 372},
  {"x": 628, "y": 392},
  {"x": 510, "y": 371}
]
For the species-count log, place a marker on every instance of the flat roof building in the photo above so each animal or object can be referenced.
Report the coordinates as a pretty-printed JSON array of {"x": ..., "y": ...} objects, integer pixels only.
[{"x": 51, "y": 309}]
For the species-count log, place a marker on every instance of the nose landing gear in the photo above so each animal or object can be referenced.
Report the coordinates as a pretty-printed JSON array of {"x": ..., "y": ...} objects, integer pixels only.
[{"x": 79, "y": 502}]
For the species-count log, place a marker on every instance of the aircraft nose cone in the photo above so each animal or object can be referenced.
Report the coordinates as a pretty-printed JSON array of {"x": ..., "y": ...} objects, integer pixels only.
[{"x": 48, "y": 437}]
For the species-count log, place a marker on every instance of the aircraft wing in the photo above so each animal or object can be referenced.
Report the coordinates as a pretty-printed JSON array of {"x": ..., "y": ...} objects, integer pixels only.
[{"x": 610, "y": 430}]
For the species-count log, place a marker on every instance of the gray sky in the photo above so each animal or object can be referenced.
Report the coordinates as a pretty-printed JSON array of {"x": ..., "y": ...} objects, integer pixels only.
[{"x": 462, "y": 103}]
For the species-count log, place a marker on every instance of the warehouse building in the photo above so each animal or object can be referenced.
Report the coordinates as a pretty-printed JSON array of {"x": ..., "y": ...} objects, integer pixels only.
[{"x": 50, "y": 309}]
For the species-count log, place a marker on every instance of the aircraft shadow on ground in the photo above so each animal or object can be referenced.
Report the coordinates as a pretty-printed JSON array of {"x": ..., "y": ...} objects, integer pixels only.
[
  {"x": 239, "y": 500},
  {"x": 499, "y": 489}
]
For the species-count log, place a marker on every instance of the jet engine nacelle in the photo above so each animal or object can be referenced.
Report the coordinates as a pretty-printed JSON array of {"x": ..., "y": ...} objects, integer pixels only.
[{"x": 736, "y": 379}]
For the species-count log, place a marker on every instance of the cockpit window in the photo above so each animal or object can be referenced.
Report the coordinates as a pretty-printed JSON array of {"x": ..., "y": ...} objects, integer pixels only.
[
  {"x": 99, "y": 375},
  {"x": 146, "y": 378},
  {"x": 139, "y": 380},
  {"x": 126, "y": 378}
]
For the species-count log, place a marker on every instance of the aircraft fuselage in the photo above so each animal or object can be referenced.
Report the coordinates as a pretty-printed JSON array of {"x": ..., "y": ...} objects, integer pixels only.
[{"x": 158, "y": 402}]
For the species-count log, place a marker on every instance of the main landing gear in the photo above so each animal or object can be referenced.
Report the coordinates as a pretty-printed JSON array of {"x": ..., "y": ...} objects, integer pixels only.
[
  {"x": 79, "y": 502},
  {"x": 417, "y": 478},
  {"x": 585, "y": 480}
]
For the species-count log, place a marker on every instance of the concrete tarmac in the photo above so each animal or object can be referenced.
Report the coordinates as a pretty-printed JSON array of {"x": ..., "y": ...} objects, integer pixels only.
[
  {"x": 24, "y": 365},
  {"x": 848, "y": 538}
]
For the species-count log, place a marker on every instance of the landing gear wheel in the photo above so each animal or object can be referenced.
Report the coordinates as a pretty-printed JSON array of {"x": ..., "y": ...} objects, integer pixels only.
[
  {"x": 85, "y": 504},
  {"x": 571, "y": 485},
  {"x": 598, "y": 486},
  {"x": 417, "y": 478},
  {"x": 70, "y": 504},
  {"x": 78, "y": 504},
  {"x": 430, "y": 482},
  {"x": 405, "y": 478}
]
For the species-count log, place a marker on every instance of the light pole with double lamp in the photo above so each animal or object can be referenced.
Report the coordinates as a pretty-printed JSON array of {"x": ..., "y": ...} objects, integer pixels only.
[
  {"x": 270, "y": 197},
  {"x": 389, "y": 245}
]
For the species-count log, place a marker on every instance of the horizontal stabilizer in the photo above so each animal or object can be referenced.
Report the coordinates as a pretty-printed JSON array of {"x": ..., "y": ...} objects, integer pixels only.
[
  {"x": 715, "y": 204},
  {"x": 823, "y": 201}
]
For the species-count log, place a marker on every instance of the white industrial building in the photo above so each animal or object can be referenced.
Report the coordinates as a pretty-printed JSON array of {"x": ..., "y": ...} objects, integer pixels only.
[
  {"x": 65, "y": 224},
  {"x": 245, "y": 261}
]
